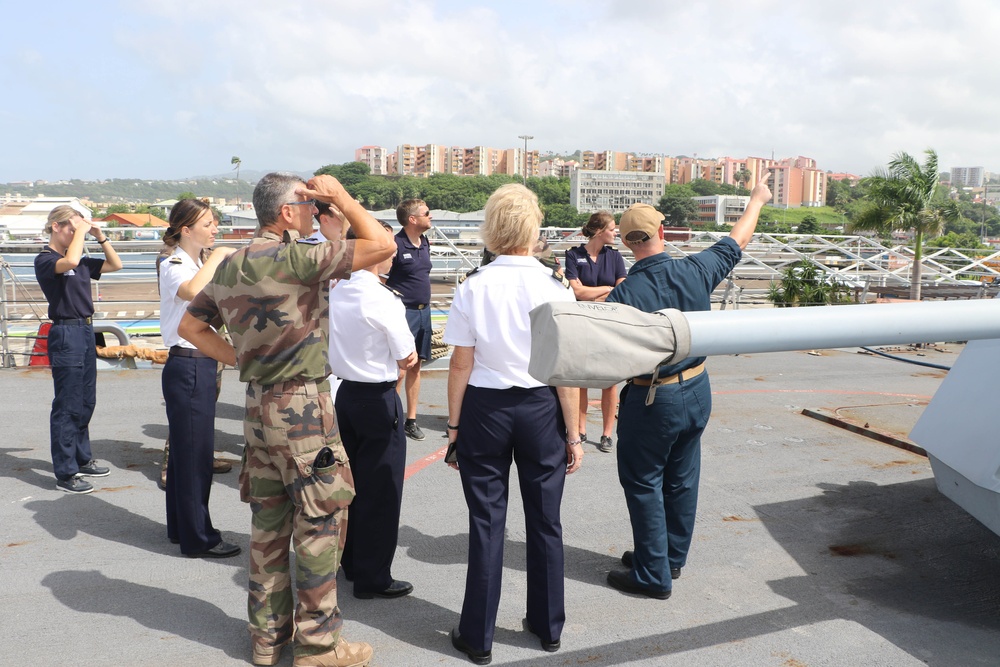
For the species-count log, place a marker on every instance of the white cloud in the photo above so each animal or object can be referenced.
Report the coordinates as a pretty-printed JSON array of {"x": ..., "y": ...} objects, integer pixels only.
[{"x": 297, "y": 85}]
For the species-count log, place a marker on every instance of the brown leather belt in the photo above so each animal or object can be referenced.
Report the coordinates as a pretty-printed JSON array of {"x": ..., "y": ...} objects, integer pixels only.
[{"x": 687, "y": 374}]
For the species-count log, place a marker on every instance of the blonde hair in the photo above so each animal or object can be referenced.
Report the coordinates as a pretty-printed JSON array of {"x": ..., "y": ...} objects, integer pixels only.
[
  {"x": 60, "y": 215},
  {"x": 513, "y": 220}
]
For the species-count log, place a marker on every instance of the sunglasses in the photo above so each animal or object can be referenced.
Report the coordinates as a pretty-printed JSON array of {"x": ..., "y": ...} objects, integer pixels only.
[{"x": 308, "y": 202}]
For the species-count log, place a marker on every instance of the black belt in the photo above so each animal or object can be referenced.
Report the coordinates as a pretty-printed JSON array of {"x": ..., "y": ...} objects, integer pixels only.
[
  {"x": 77, "y": 320},
  {"x": 374, "y": 386},
  {"x": 178, "y": 351},
  {"x": 419, "y": 306}
]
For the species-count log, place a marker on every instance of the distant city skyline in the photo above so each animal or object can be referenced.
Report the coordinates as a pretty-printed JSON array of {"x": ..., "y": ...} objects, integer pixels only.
[{"x": 143, "y": 90}]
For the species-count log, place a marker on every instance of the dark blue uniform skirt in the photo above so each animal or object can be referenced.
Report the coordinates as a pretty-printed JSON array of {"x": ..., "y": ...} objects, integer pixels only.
[
  {"x": 496, "y": 427},
  {"x": 189, "y": 389}
]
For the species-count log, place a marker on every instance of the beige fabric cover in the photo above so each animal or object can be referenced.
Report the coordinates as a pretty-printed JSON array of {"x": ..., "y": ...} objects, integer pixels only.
[{"x": 588, "y": 344}]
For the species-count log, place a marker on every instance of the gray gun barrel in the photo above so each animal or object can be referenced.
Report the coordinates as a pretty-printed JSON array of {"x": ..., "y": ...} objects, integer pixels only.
[
  {"x": 786, "y": 329},
  {"x": 584, "y": 344}
]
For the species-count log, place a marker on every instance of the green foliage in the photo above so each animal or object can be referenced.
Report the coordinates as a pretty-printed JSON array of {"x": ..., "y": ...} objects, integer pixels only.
[
  {"x": 805, "y": 284},
  {"x": 678, "y": 207},
  {"x": 563, "y": 215},
  {"x": 186, "y": 195},
  {"x": 967, "y": 240},
  {"x": 706, "y": 188},
  {"x": 349, "y": 174},
  {"x": 118, "y": 208},
  {"x": 155, "y": 211},
  {"x": 446, "y": 191},
  {"x": 809, "y": 225},
  {"x": 123, "y": 190},
  {"x": 905, "y": 196}
]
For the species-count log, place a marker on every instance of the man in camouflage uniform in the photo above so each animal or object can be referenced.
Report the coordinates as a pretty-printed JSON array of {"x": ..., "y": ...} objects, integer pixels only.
[{"x": 273, "y": 298}]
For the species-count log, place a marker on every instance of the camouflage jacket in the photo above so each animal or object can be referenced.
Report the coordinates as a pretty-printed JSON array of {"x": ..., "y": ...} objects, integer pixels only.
[{"x": 274, "y": 298}]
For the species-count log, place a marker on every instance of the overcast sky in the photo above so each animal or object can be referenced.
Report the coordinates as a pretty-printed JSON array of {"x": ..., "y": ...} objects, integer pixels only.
[{"x": 171, "y": 89}]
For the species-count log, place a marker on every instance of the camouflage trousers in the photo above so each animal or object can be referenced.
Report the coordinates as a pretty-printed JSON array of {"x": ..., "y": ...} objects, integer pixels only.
[{"x": 286, "y": 426}]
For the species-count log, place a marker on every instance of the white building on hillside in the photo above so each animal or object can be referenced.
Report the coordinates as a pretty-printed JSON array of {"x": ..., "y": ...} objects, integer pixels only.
[{"x": 614, "y": 191}]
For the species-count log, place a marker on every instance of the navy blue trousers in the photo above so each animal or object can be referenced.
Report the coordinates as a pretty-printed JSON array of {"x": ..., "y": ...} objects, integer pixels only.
[
  {"x": 659, "y": 465},
  {"x": 370, "y": 417},
  {"x": 74, "y": 378},
  {"x": 498, "y": 426},
  {"x": 189, "y": 390}
]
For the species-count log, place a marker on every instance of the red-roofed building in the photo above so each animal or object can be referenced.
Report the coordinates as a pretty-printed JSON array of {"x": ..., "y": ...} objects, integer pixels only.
[{"x": 136, "y": 220}]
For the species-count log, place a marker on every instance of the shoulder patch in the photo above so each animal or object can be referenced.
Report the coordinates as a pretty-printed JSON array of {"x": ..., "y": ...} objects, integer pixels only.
[
  {"x": 558, "y": 276},
  {"x": 462, "y": 279},
  {"x": 396, "y": 293},
  {"x": 175, "y": 260}
]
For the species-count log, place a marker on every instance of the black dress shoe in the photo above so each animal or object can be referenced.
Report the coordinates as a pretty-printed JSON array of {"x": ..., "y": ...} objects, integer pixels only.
[
  {"x": 675, "y": 572},
  {"x": 622, "y": 581},
  {"x": 478, "y": 657},
  {"x": 551, "y": 647},
  {"x": 221, "y": 550},
  {"x": 396, "y": 589}
]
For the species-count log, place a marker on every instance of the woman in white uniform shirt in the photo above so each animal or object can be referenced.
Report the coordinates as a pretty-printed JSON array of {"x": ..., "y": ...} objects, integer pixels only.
[
  {"x": 189, "y": 383},
  {"x": 499, "y": 414}
]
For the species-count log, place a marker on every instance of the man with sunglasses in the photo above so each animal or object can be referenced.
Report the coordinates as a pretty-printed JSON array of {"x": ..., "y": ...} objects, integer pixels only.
[
  {"x": 410, "y": 275},
  {"x": 272, "y": 295}
]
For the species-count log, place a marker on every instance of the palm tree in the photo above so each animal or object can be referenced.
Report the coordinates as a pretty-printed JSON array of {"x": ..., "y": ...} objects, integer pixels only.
[
  {"x": 742, "y": 177},
  {"x": 902, "y": 197},
  {"x": 237, "y": 162}
]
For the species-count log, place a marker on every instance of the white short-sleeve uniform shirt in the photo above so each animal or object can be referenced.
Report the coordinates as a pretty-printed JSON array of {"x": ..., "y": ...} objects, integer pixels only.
[
  {"x": 175, "y": 270},
  {"x": 490, "y": 313}
]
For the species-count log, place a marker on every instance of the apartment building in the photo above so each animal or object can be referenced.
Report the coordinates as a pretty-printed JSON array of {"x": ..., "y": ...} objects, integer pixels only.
[
  {"x": 406, "y": 159},
  {"x": 683, "y": 170},
  {"x": 375, "y": 157},
  {"x": 967, "y": 177},
  {"x": 430, "y": 159},
  {"x": 598, "y": 190},
  {"x": 557, "y": 167},
  {"x": 604, "y": 161},
  {"x": 649, "y": 163},
  {"x": 793, "y": 187},
  {"x": 721, "y": 209},
  {"x": 455, "y": 161}
]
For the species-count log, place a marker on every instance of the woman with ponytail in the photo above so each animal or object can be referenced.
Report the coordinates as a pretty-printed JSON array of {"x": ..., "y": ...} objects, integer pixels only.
[
  {"x": 189, "y": 382},
  {"x": 594, "y": 269}
]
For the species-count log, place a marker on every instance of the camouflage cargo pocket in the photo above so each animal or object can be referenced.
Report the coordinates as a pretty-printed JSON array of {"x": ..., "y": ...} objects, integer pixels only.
[
  {"x": 322, "y": 491},
  {"x": 244, "y": 477}
]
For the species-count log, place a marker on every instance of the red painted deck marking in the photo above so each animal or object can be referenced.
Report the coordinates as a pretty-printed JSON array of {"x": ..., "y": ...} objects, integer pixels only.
[{"x": 420, "y": 464}]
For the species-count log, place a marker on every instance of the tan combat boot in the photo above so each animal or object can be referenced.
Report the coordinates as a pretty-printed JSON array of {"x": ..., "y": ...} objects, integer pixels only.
[
  {"x": 264, "y": 654},
  {"x": 355, "y": 654}
]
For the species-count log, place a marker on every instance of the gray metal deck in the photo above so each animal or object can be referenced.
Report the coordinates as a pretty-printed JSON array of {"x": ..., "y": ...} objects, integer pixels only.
[{"x": 814, "y": 546}]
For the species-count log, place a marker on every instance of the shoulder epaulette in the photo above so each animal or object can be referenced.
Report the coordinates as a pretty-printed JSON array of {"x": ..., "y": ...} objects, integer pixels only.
[
  {"x": 558, "y": 276},
  {"x": 175, "y": 260},
  {"x": 308, "y": 240},
  {"x": 395, "y": 292},
  {"x": 462, "y": 279}
]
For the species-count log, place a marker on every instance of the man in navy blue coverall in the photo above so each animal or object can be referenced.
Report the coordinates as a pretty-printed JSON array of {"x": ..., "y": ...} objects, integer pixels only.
[{"x": 661, "y": 416}]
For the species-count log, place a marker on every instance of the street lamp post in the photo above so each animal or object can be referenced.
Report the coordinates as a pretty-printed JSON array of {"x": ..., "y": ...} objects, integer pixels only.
[{"x": 524, "y": 157}]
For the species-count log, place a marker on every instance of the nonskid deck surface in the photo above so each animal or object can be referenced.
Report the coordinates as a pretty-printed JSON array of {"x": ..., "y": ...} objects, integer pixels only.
[{"x": 813, "y": 545}]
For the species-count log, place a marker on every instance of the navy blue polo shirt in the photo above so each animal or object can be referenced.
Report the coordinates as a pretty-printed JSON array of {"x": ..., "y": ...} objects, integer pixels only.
[
  {"x": 410, "y": 274},
  {"x": 68, "y": 293},
  {"x": 606, "y": 271},
  {"x": 659, "y": 282}
]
